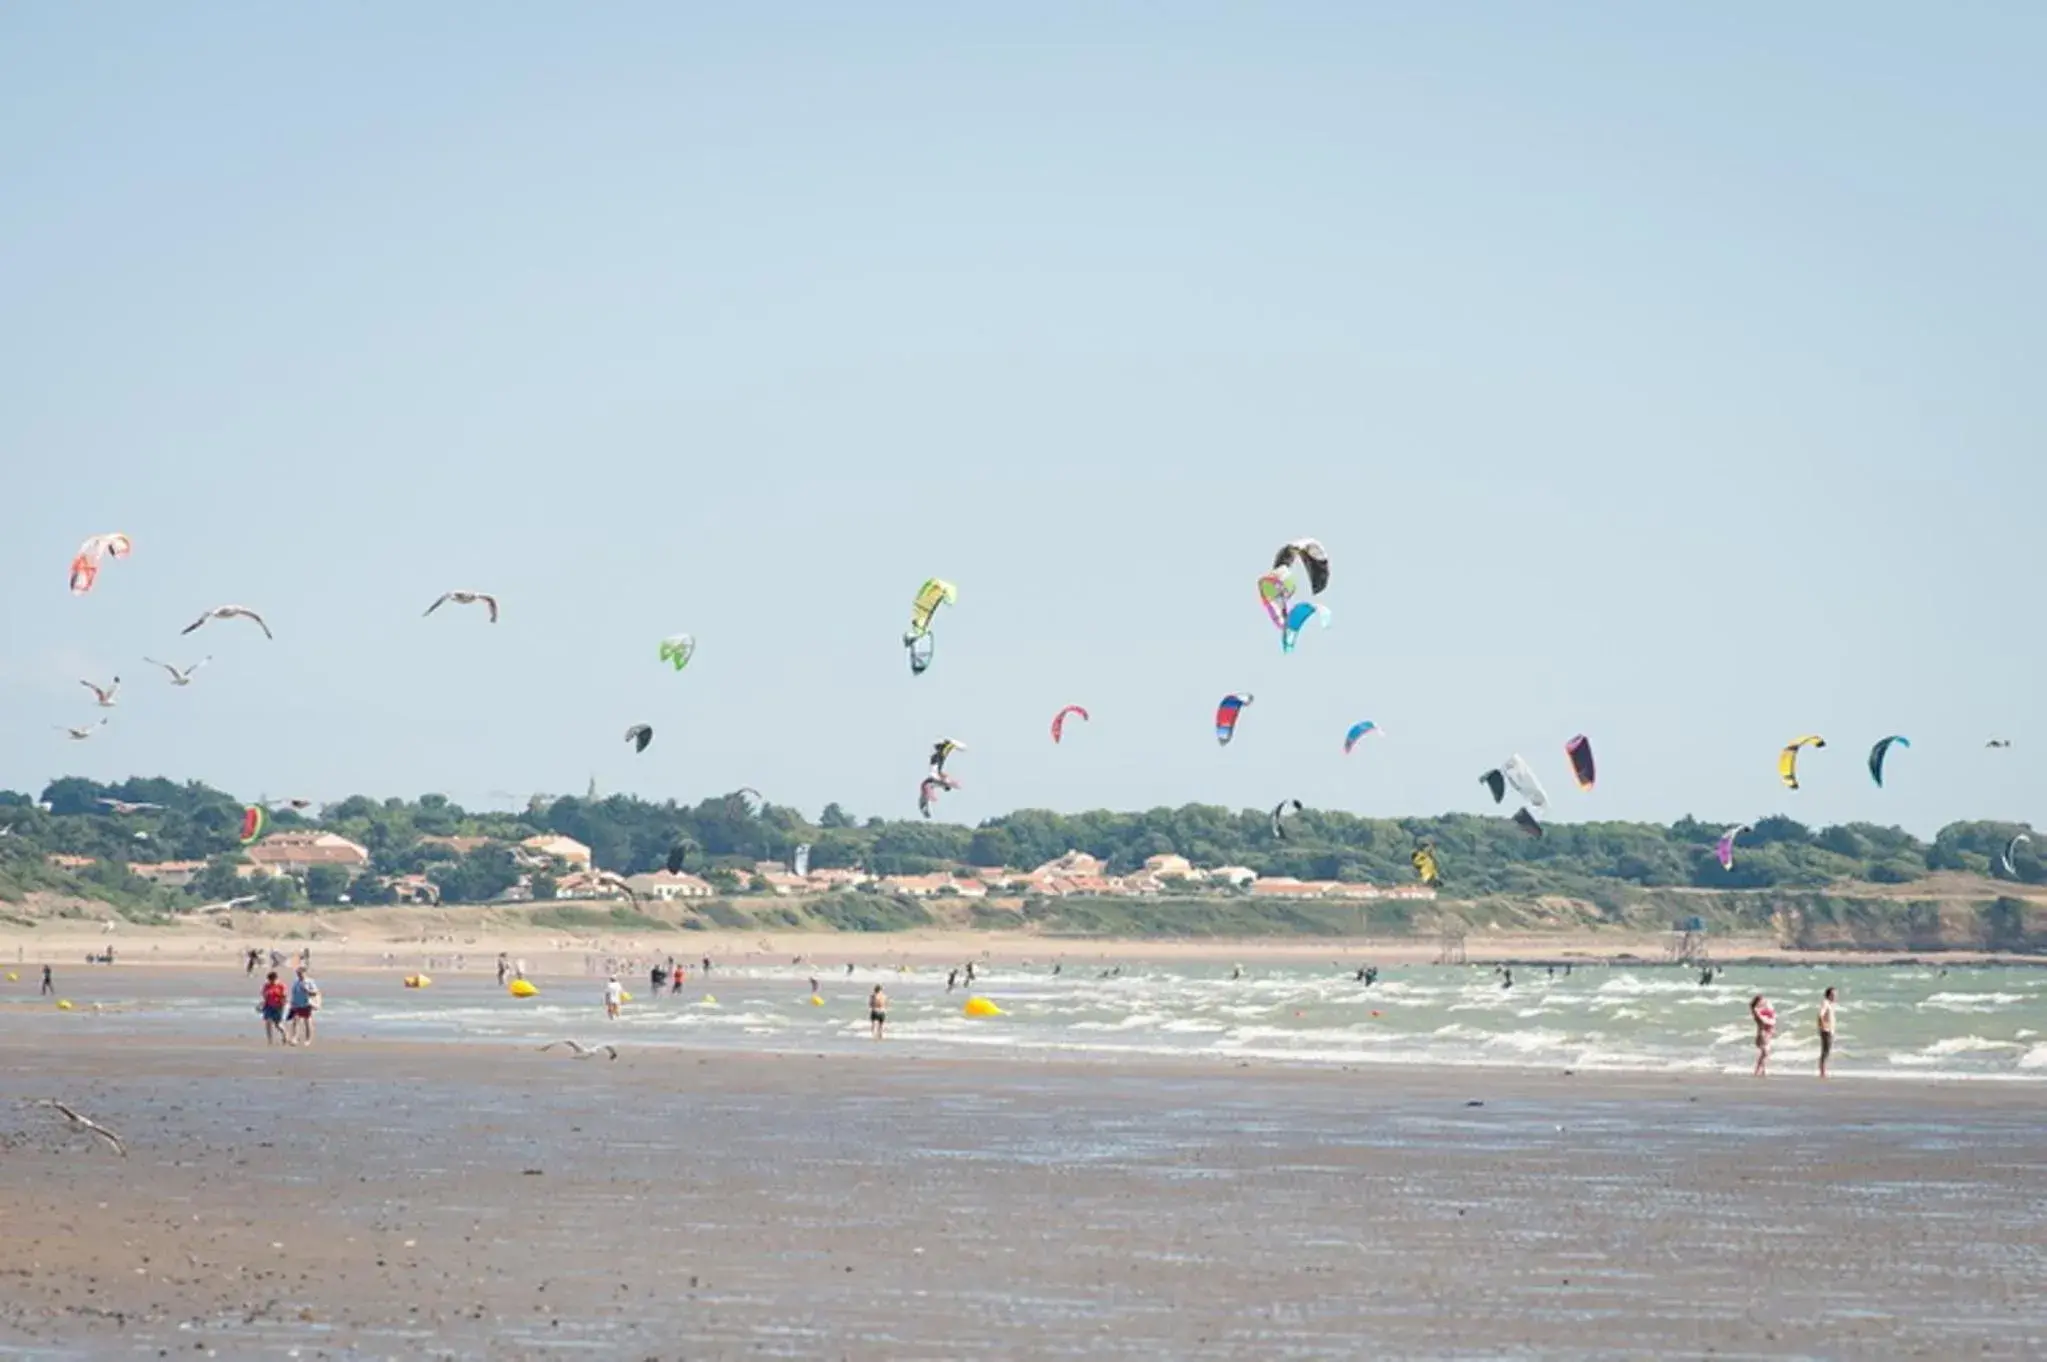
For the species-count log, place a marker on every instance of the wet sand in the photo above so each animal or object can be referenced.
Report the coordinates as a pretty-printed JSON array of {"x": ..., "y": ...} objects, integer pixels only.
[{"x": 388, "y": 1199}]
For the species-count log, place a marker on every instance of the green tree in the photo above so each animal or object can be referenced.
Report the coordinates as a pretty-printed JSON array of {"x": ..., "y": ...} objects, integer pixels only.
[
  {"x": 281, "y": 892},
  {"x": 218, "y": 882},
  {"x": 326, "y": 884}
]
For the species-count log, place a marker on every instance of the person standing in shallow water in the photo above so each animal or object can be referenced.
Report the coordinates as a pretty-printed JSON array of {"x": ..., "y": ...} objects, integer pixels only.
[
  {"x": 1765, "y": 1018},
  {"x": 49, "y": 985},
  {"x": 877, "y": 1010},
  {"x": 1826, "y": 1030}
]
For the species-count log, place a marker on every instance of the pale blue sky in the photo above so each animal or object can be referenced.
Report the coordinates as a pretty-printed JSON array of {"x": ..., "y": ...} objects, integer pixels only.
[{"x": 1667, "y": 373}]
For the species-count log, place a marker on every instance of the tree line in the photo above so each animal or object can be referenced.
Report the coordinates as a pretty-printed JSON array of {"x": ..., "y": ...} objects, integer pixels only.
[{"x": 724, "y": 836}]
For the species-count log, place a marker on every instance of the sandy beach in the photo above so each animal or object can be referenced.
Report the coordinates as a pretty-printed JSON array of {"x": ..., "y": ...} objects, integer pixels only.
[
  {"x": 406, "y": 1200},
  {"x": 435, "y": 938}
]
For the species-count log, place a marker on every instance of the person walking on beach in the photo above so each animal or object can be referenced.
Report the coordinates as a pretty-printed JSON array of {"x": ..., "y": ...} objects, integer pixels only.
[
  {"x": 504, "y": 968},
  {"x": 1765, "y": 1018},
  {"x": 1826, "y": 1030},
  {"x": 49, "y": 986},
  {"x": 877, "y": 1010},
  {"x": 272, "y": 1008},
  {"x": 305, "y": 999},
  {"x": 614, "y": 995}
]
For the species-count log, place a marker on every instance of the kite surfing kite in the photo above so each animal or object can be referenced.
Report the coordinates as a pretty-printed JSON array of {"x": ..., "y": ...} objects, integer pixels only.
[
  {"x": 1516, "y": 773},
  {"x": 467, "y": 598},
  {"x": 639, "y": 735},
  {"x": 1424, "y": 860},
  {"x": 1357, "y": 730},
  {"x": 1579, "y": 750},
  {"x": 1724, "y": 849},
  {"x": 677, "y": 649},
  {"x": 2011, "y": 849},
  {"x": 917, "y": 639},
  {"x": 1310, "y": 554},
  {"x": 1226, "y": 717},
  {"x": 942, "y": 749},
  {"x": 254, "y": 820},
  {"x": 85, "y": 568},
  {"x": 1877, "y": 754},
  {"x": 103, "y": 696},
  {"x": 678, "y": 856},
  {"x": 1525, "y": 821},
  {"x": 800, "y": 863},
  {"x": 1787, "y": 760},
  {"x": 1059, "y": 720},
  {"x": 1281, "y": 810},
  {"x": 927, "y": 792},
  {"x": 1998, "y": 742},
  {"x": 230, "y": 612},
  {"x": 1297, "y": 617},
  {"x": 1275, "y": 589}
]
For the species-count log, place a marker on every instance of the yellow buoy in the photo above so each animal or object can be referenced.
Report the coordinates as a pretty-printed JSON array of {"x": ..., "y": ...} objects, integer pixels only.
[
  {"x": 417, "y": 981},
  {"x": 816, "y": 1001},
  {"x": 521, "y": 988},
  {"x": 63, "y": 1004},
  {"x": 13, "y": 978},
  {"x": 709, "y": 1001},
  {"x": 981, "y": 1007}
]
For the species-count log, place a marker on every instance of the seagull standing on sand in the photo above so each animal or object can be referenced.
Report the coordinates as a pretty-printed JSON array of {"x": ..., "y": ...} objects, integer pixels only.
[
  {"x": 103, "y": 694},
  {"x": 466, "y": 598},
  {"x": 230, "y": 612},
  {"x": 180, "y": 678}
]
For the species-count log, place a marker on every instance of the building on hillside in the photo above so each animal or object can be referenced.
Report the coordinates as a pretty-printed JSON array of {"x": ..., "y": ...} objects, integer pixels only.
[
  {"x": 838, "y": 879},
  {"x": 413, "y": 889},
  {"x": 1072, "y": 863},
  {"x": 169, "y": 874},
  {"x": 584, "y": 884},
  {"x": 1163, "y": 867},
  {"x": 778, "y": 881},
  {"x": 664, "y": 886},
  {"x": 930, "y": 886},
  {"x": 461, "y": 846},
  {"x": 1235, "y": 876},
  {"x": 59, "y": 861},
  {"x": 553, "y": 846},
  {"x": 295, "y": 853},
  {"x": 1285, "y": 887}
]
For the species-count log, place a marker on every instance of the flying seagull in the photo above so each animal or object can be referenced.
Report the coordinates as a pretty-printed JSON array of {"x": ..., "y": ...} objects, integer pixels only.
[
  {"x": 81, "y": 734},
  {"x": 86, "y": 1123},
  {"x": 467, "y": 598},
  {"x": 230, "y": 612},
  {"x": 180, "y": 678},
  {"x": 103, "y": 694},
  {"x": 583, "y": 1051},
  {"x": 123, "y": 806}
]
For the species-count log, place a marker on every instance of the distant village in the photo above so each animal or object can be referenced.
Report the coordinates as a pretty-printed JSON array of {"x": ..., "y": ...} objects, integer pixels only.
[{"x": 567, "y": 863}]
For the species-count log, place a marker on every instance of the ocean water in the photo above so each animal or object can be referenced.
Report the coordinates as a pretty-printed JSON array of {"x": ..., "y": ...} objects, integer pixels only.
[{"x": 1909, "y": 1021}]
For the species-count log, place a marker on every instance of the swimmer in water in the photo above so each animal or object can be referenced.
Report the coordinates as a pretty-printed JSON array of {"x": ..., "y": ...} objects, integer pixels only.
[{"x": 877, "y": 1010}]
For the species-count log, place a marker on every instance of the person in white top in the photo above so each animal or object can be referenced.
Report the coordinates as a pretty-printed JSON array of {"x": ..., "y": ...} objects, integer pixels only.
[
  {"x": 1826, "y": 1030},
  {"x": 614, "y": 994}
]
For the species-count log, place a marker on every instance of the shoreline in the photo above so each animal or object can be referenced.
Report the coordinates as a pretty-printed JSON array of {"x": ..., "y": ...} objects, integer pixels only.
[{"x": 410, "y": 938}]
